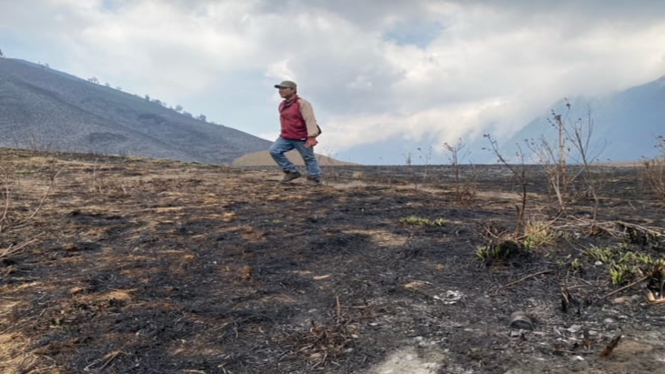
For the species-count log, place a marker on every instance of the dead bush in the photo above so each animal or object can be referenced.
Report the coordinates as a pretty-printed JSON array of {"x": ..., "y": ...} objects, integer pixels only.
[
  {"x": 14, "y": 191},
  {"x": 653, "y": 174},
  {"x": 465, "y": 189}
]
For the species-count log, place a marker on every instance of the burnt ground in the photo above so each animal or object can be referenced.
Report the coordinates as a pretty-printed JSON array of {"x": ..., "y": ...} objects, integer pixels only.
[{"x": 144, "y": 266}]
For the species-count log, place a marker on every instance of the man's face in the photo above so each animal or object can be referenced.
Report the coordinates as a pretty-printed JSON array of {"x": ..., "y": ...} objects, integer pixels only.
[{"x": 286, "y": 92}]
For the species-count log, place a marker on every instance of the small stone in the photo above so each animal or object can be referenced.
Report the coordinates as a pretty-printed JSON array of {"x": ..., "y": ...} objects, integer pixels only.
[
  {"x": 598, "y": 263},
  {"x": 624, "y": 299},
  {"x": 451, "y": 297},
  {"x": 575, "y": 329},
  {"x": 519, "y": 320},
  {"x": 76, "y": 290},
  {"x": 608, "y": 321}
]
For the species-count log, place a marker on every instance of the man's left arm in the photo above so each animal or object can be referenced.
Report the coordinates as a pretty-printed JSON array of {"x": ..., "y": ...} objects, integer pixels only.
[{"x": 307, "y": 113}]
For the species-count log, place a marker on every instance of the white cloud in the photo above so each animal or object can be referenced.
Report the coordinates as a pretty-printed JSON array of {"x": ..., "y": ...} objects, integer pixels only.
[{"x": 435, "y": 70}]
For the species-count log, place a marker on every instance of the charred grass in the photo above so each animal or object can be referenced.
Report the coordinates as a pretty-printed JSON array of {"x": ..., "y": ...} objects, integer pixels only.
[{"x": 116, "y": 265}]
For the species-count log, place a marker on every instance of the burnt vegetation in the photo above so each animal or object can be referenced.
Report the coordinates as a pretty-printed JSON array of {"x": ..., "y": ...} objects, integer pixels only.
[{"x": 126, "y": 265}]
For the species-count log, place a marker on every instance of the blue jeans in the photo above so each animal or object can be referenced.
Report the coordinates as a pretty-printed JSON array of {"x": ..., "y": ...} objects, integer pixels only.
[{"x": 281, "y": 146}]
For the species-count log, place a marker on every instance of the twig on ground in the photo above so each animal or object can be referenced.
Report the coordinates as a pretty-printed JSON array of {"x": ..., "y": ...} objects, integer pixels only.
[
  {"x": 653, "y": 300},
  {"x": 523, "y": 279},
  {"x": 48, "y": 192},
  {"x": 323, "y": 361},
  {"x": 41, "y": 202},
  {"x": 14, "y": 250},
  {"x": 640, "y": 228},
  {"x": 111, "y": 357},
  {"x": 609, "y": 227},
  {"x": 338, "y": 310},
  {"x": 587, "y": 339},
  {"x": 627, "y": 286},
  {"x": 107, "y": 359},
  {"x": 610, "y": 347},
  {"x": 6, "y": 210}
]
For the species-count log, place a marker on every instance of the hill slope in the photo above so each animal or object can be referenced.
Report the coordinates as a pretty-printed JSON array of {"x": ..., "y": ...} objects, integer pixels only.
[{"x": 46, "y": 109}]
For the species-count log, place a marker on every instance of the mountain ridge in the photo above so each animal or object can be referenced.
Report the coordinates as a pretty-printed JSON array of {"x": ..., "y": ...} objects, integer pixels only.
[
  {"x": 625, "y": 123},
  {"x": 49, "y": 109}
]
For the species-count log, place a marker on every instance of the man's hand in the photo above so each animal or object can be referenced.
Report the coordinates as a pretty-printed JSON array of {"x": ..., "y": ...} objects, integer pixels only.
[{"x": 311, "y": 142}]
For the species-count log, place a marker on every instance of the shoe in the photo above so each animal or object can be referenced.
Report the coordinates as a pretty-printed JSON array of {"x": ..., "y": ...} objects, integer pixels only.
[
  {"x": 314, "y": 180},
  {"x": 290, "y": 175}
]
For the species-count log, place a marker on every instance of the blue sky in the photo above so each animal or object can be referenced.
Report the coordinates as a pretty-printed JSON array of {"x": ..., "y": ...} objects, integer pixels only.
[{"x": 378, "y": 72}]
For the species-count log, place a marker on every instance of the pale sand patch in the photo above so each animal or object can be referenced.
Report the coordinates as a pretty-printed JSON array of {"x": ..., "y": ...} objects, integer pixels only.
[
  {"x": 119, "y": 295},
  {"x": 410, "y": 361},
  {"x": 382, "y": 238}
]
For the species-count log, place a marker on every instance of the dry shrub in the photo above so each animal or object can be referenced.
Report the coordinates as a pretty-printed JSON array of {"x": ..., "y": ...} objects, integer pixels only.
[
  {"x": 538, "y": 234},
  {"x": 501, "y": 246},
  {"x": 18, "y": 183},
  {"x": 499, "y": 251},
  {"x": 324, "y": 342},
  {"x": 329, "y": 342},
  {"x": 653, "y": 174}
]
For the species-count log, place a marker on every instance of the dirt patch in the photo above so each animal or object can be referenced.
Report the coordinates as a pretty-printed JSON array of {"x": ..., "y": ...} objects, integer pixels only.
[
  {"x": 411, "y": 360},
  {"x": 139, "y": 266}
]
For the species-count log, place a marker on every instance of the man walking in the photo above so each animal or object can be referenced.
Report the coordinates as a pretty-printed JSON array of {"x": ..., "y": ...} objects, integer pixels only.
[{"x": 299, "y": 131}]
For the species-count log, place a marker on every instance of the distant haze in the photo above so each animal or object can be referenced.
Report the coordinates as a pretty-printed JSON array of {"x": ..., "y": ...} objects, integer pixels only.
[{"x": 620, "y": 127}]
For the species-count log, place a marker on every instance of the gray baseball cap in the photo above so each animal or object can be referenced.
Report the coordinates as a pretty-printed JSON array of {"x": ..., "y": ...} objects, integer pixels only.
[{"x": 287, "y": 84}]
